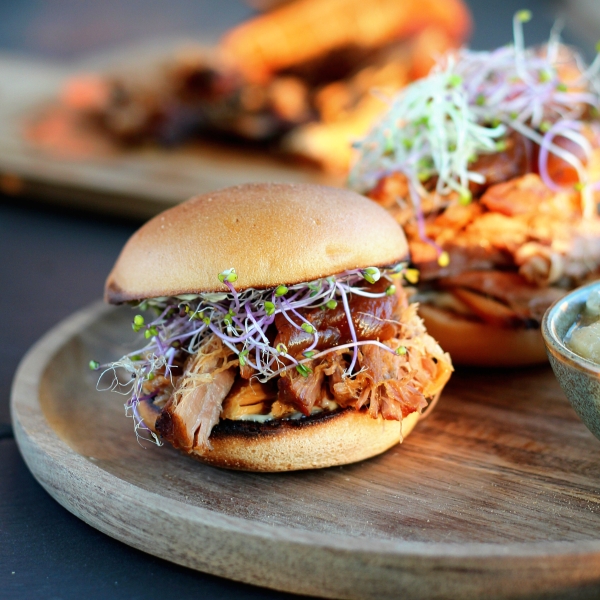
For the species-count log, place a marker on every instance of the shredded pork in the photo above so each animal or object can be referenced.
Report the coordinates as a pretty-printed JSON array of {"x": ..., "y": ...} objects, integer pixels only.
[
  {"x": 392, "y": 385},
  {"x": 513, "y": 250},
  {"x": 195, "y": 405}
]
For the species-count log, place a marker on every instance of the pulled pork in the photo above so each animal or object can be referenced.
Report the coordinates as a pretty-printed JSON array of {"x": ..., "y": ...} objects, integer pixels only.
[
  {"x": 392, "y": 385},
  {"x": 513, "y": 250},
  {"x": 195, "y": 405}
]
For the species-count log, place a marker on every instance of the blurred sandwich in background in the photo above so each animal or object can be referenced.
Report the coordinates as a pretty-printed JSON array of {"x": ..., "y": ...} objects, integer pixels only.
[{"x": 302, "y": 80}]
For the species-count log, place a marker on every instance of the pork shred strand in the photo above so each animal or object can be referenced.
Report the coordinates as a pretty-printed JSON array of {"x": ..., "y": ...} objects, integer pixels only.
[{"x": 195, "y": 405}]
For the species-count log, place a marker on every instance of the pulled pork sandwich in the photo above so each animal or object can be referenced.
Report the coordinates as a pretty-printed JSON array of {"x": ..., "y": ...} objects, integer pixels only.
[
  {"x": 282, "y": 338},
  {"x": 491, "y": 164}
]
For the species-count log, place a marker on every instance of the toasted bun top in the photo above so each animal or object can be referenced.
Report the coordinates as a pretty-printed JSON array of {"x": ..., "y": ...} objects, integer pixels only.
[{"x": 270, "y": 233}]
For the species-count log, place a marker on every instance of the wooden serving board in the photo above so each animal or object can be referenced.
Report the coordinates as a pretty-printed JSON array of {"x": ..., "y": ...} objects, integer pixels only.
[
  {"x": 495, "y": 495},
  {"x": 42, "y": 156}
]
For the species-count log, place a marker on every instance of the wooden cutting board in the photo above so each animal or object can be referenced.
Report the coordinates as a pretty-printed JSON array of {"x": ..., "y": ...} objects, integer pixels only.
[
  {"x": 495, "y": 495},
  {"x": 41, "y": 157}
]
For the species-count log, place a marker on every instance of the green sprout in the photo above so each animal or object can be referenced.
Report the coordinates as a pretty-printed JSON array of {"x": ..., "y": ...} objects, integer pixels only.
[
  {"x": 242, "y": 357},
  {"x": 138, "y": 323},
  {"x": 465, "y": 197},
  {"x": 308, "y": 328},
  {"x": 281, "y": 290},
  {"x": 269, "y": 307},
  {"x": 371, "y": 274},
  {"x": 524, "y": 16},
  {"x": 309, "y": 353},
  {"x": 281, "y": 348},
  {"x": 401, "y": 350},
  {"x": 331, "y": 304},
  {"x": 94, "y": 364},
  {"x": 228, "y": 275},
  {"x": 303, "y": 370},
  {"x": 150, "y": 332},
  {"x": 391, "y": 290}
]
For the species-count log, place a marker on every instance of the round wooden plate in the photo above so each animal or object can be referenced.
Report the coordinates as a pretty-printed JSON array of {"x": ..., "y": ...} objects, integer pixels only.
[{"x": 495, "y": 495}]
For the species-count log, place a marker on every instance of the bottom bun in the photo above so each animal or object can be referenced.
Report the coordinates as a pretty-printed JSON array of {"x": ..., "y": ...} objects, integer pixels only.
[
  {"x": 322, "y": 440},
  {"x": 476, "y": 344}
]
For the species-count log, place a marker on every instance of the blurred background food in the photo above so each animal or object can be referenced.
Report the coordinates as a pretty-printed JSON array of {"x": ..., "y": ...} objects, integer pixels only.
[{"x": 305, "y": 78}]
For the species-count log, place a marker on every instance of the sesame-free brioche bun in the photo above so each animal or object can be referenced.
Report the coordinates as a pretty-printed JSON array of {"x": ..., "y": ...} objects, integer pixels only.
[
  {"x": 321, "y": 440},
  {"x": 270, "y": 233},
  {"x": 477, "y": 344}
]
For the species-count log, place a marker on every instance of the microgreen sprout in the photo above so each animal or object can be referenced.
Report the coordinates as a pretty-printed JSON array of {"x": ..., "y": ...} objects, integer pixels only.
[
  {"x": 524, "y": 16},
  {"x": 138, "y": 322},
  {"x": 391, "y": 290},
  {"x": 303, "y": 370},
  {"x": 281, "y": 290},
  {"x": 151, "y": 332},
  {"x": 331, "y": 304},
  {"x": 242, "y": 357},
  {"x": 371, "y": 274},
  {"x": 94, "y": 365},
  {"x": 308, "y": 327},
  {"x": 401, "y": 350},
  {"x": 228, "y": 275}
]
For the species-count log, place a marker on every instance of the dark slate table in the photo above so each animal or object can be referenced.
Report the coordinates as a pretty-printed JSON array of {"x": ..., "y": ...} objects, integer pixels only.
[{"x": 54, "y": 261}]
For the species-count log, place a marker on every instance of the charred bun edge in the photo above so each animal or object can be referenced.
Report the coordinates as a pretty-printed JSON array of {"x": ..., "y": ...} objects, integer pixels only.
[
  {"x": 322, "y": 440},
  {"x": 477, "y": 344}
]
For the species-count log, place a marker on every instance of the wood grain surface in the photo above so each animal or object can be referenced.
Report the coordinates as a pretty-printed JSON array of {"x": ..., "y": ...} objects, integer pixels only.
[
  {"x": 42, "y": 156},
  {"x": 495, "y": 495}
]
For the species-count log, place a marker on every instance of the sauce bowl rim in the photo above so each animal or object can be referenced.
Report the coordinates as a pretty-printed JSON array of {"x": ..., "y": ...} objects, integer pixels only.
[{"x": 554, "y": 343}]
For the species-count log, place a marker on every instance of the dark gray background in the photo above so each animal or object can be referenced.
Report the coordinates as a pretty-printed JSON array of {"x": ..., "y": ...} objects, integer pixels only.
[{"x": 54, "y": 261}]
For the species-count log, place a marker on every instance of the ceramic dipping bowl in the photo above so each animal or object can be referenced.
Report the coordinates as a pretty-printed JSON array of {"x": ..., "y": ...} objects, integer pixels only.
[{"x": 578, "y": 377}]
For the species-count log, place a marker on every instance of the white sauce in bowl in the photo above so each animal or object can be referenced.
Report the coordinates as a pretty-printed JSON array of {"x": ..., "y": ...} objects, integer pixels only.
[{"x": 584, "y": 337}]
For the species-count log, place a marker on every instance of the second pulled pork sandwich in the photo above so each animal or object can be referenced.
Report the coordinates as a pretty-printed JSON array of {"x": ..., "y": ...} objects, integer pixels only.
[
  {"x": 281, "y": 337},
  {"x": 491, "y": 164}
]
